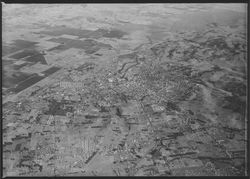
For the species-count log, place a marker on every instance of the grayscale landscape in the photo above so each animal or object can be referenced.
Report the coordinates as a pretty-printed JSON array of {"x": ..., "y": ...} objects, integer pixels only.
[{"x": 124, "y": 89}]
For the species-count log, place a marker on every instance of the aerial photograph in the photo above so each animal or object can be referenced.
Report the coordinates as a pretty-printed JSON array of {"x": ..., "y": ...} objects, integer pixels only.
[{"x": 115, "y": 89}]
